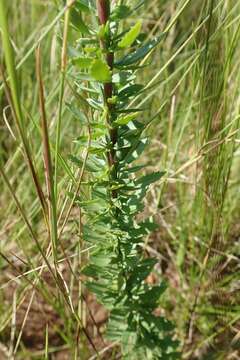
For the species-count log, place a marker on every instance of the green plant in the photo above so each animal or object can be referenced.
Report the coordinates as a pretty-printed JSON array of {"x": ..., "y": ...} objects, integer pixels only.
[
  {"x": 117, "y": 267},
  {"x": 192, "y": 87}
]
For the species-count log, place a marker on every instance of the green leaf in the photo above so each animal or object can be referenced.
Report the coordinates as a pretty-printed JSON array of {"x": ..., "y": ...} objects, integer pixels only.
[
  {"x": 123, "y": 120},
  {"x": 140, "y": 53},
  {"x": 91, "y": 270},
  {"x": 134, "y": 169},
  {"x": 148, "y": 225},
  {"x": 79, "y": 115},
  {"x": 120, "y": 12},
  {"x": 96, "y": 288},
  {"x": 101, "y": 259},
  {"x": 100, "y": 71},
  {"x": 83, "y": 5},
  {"x": 128, "y": 111},
  {"x": 117, "y": 325},
  {"x": 82, "y": 62},
  {"x": 89, "y": 235},
  {"x": 151, "y": 296},
  {"x": 77, "y": 21},
  {"x": 141, "y": 272},
  {"x": 147, "y": 180},
  {"x": 135, "y": 151},
  {"x": 92, "y": 205},
  {"x": 90, "y": 165},
  {"x": 83, "y": 76},
  {"x": 130, "y": 90},
  {"x": 163, "y": 324},
  {"x": 131, "y": 35}
]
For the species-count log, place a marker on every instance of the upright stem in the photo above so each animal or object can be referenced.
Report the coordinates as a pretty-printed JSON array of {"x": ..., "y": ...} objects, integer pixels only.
[
  {"x": 47, "y": 160},
  {"x": 62, "y": 83},
  {"x": 104, "y": 8}
]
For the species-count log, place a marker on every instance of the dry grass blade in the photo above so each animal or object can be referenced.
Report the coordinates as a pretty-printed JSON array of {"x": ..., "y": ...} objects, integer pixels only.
[
  {"x": 69, "y": 3},
  {"x": 47, "y": 160},
  {"x": 22, "y": 212}
]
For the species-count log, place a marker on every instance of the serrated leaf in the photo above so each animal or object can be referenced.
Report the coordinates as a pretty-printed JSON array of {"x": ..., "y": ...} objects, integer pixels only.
[
  {"x": 131, "y": 35},
  {"x": 100, "y": 71}
]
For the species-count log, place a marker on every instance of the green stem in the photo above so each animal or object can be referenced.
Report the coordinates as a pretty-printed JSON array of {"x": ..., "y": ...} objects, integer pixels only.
[{"x": 14, "y": 98}]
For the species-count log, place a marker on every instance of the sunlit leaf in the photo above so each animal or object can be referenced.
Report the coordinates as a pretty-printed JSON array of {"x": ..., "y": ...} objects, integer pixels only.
[
  {"x": 82, "y": 62},
  {"x": 100, "y": 71},
  {"x": 131, "y": 35}
]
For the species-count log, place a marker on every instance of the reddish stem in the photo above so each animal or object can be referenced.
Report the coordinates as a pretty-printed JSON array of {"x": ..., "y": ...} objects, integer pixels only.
[{"x": 103, "y": 7}]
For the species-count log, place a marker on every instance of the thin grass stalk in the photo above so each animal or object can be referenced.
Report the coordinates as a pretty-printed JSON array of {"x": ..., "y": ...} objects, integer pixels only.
[
  {"x": 9, "y": 60},
  {"x": 47, "y": 161},
  {"x": 62, "y": 87},
  {"x": 13, "y": 95},
  {"x": 35, "y": 287},
  {"x": 43, "y": 35},
  {"x": 23, "y": 324},
  {"x": 55, "y": 276},
  {"x": 213, "y": 168},
  {"x": 46, "y": 344},
  {"x": 22, "y": 212},
  {"x": 26, "y": 149},
  {"x": 52, "y": 200}
]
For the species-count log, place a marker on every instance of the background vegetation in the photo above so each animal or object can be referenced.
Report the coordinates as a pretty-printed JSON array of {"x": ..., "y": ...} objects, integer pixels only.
[{"x": 192, "y": 84}]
